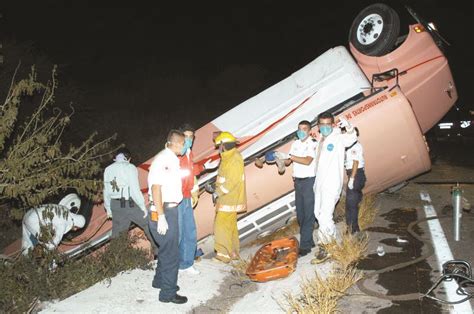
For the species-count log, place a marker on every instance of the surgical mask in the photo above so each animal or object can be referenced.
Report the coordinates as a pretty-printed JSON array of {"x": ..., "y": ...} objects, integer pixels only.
[
  {"x": 301, "y": 134},
  {"x": 325, "y": 130},
  {"x": 183, "y": 150},
  {"x": 188, "y": 142}
]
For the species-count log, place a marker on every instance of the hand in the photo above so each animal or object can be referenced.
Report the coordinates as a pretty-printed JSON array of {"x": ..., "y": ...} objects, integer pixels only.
[
  {"x": 314, "y": 133},
  {"x": 211, "y": 164},
  {"x": 145, "y": 214},
  {"x": 343, "y": 123},
  {"x": 162, "y": 225},
  {"x": 214, "y": 198},
  {"x": 259, "y": 162},
  {"x": 109, "y": 214},
  {"x": 50, "y": 246},
  {"x": 350, "y": 184},
  {"x": 209, "y": 188},
  {"x": 282, "y": 156}
]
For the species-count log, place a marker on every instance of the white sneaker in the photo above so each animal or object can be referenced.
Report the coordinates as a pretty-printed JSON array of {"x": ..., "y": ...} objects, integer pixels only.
[{"x": 190, "y": 270}]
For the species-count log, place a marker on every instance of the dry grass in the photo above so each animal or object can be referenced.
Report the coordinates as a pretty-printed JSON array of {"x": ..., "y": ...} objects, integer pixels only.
[
  {"x": 340, "y": 210},
  {"x": 240, "y": 266},
  {"x": 348, "y": 251},
  {"x": 30, "y": 278},
  {"x": 367, "y": 211},
  {"x": 321, "y": 295}
]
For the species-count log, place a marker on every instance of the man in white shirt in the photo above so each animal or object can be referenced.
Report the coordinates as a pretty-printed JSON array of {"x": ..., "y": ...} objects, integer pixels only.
[
  {"x": 165, "y": 190},
  {"x": 123, "y": 199},
  {"x": 57, "y": 218},
  {"x": 330, "y": 153},
  {"x": 355, "y": 171},
  {"x": 302, "y": 154}
]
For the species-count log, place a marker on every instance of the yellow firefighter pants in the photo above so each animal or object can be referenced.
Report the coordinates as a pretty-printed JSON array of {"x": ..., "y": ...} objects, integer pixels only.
[{"x": 226, "y": 235}]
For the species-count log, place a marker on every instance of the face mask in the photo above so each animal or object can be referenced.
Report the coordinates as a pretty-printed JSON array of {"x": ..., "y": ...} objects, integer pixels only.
[
  {"x": 183, "y": 150},
  {"x": 301, "y": 134},
  {"x": 188, "y": 142},
  {"x": 325, "y": 130}
]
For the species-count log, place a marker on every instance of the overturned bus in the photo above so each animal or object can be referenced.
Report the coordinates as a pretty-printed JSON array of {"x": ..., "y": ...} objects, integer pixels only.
[{"x": 393, "y": 88}]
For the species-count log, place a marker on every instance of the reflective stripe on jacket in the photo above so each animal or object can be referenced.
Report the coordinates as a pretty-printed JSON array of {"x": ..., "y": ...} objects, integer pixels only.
[{"x": 230, "y": 182}]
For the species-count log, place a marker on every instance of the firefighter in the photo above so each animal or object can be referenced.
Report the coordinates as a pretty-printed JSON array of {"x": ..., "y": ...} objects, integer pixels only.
[{"x": 231, "y": 198}]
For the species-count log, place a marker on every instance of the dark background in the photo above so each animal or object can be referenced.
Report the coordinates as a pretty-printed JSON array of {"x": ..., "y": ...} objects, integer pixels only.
[{"x": 140, "y": 68}]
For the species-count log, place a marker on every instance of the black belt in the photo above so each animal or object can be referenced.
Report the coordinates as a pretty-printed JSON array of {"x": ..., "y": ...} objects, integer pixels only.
[
  {"x": 301, "y": 179},
  {"x": 357, "y": 169}
]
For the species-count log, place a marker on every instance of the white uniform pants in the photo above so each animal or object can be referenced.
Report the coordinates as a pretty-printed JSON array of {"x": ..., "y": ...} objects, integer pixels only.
[{"x": 325, "y": 202}]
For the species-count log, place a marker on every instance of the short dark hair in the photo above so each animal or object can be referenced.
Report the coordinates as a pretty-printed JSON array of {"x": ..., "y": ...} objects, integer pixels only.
[
  {"x": 187, "y": 127},
  {"x": 305, "y": 122},
  {"x": 125, "y": 151},
  {"x": 326, "y": 115},
  {"x": 173, "y": 134}
]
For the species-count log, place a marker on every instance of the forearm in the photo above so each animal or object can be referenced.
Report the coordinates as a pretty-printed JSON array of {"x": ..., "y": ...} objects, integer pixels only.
[
  {"x": 302, "y": 160},
  {"x": 355, "y": 166},
  {"x": 137, "y": 194},
  {"x": 107, "y": 200},
  {"x": 197, "y": 169},
  {"x": 157, "y": 198}
]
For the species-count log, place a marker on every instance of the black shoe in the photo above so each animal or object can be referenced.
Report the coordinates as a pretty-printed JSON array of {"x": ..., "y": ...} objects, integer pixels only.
[
  {"x": 178, "y": 299},
  {"x": 313, "y": 246},
  {"x": 303, "y": 252},
  {"x": 158, "y": 287}
]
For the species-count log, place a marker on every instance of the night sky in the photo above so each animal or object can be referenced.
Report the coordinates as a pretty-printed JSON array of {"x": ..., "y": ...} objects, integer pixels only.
[{"x": 139, "y": 68}]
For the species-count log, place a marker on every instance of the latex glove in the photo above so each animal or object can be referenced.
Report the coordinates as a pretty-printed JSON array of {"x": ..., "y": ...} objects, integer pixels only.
[
  {"x": 343, "y": 123},
  {"x": 109, "y": 214},
  {"x": 50, "y": 246},
  {"x": 282, "y": 156},
  {"x": 350, "y": 184},
  {"x": 162, "y": 225},
  {"x": 145, "y": 213},
  {"x": 211, "y": 164}
]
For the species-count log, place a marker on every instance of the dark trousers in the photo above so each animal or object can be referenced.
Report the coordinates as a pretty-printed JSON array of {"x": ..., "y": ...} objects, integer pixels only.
[
  {"x": 123, "y": 217},
  {"x": 353, "y": 198},
  {"x": 166, "y": 273},
  {"x": 304, "y": 201}
]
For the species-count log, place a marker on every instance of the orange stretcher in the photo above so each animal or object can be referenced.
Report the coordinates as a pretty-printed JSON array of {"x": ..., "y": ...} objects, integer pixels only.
[{"x": 274, "y": 260}]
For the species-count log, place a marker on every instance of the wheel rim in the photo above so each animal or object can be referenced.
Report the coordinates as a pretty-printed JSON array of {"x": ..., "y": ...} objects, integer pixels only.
[{"x": 369, "y": 29}]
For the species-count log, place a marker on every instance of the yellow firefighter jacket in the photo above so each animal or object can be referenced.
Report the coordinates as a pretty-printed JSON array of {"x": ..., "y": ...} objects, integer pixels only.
[{"x": 230, "y": 183}]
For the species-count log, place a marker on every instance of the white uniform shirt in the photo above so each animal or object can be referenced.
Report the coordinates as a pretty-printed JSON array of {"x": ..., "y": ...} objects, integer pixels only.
[
  {"x": 356, "y": 152},
  {"x": 34, "y": 219},
  {"x": 165, "y": 171},
  {"x": 121, "y": 179},
  {"x": 303, "y": 149}
]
